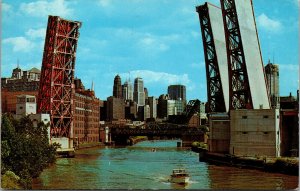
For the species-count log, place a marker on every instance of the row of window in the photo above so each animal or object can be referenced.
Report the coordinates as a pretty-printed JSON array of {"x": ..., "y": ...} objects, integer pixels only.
[
  {"x": 89, "y": 131},
  {"x": 89, "y": 112},
  {"x": 86, "y": 106},
  {"x": 82, "y": 125},
  {"x": 88, "y": 139},
  {"x": 265, "y": 116},
  {"x": 265, "y": 132},
  {"x": 83, "y": 118}
]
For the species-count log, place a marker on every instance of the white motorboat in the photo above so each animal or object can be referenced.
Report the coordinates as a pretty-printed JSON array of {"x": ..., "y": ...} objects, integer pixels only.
[{"x": 180, "y": 176}]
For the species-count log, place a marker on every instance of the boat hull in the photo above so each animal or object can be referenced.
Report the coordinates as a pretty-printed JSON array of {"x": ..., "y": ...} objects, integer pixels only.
[{"x": 180, "y": 180}]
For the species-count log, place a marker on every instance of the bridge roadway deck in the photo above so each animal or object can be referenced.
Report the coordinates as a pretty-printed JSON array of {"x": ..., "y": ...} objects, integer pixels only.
[{"x": 162, "y": 129}]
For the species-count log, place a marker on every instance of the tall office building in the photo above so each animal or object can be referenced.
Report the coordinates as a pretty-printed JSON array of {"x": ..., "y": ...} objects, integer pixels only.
[
  {"x": 272, "y": 77},
  {"x": 127, "y": 91},
  {"x": 177, "y": 92},
  {"x": 115, "y": 109},
  {"x": 162, "y": 106},
  {"x": 153, "y": 107},
  {"x": 175, "y": 107},
  {"x": 139, "y": 94},
  {"x": 117, "y": 89}
]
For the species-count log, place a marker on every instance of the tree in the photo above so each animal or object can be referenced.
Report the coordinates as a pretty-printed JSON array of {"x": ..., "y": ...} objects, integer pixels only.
[{"x": 26, "y": 148}]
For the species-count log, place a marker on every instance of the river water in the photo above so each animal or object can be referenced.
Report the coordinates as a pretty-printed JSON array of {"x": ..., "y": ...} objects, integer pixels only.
[{"x": 137, "y": 167}]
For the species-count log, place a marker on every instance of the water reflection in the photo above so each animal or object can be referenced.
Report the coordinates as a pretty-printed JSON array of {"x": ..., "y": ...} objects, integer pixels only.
[{"x": 236, "y": 178}]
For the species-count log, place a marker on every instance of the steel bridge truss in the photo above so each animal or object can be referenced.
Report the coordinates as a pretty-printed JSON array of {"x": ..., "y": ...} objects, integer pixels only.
[
  {"x": 191, "y": 108},
  {"x": 215, "y": 95},
  {"x": 56, "y": 91},
  {"x": 155, "y": 129},
  {"x": 239, "y": 89}
]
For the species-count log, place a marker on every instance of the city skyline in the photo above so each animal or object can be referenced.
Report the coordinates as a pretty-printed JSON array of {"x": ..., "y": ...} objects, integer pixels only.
[{"x": 143, "y": 40}]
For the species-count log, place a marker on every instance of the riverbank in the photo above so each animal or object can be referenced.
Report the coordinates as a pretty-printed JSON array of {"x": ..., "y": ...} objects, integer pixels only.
[
  {"x": 90, "y": 145},
  {"x": 285, "y": 165}
]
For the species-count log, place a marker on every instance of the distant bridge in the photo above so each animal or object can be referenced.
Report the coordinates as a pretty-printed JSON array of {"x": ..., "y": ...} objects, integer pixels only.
[{"x": 185, "y": 133}]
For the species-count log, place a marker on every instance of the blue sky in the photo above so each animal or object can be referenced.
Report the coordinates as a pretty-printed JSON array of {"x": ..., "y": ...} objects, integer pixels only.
[{"x": 158, "y": 40}]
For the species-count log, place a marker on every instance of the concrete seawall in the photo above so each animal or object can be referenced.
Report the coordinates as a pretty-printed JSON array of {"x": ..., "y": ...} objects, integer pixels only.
[{"x": 288, "y": 166}]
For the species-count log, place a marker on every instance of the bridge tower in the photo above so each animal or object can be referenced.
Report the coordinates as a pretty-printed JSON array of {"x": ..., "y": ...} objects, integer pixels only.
[
  {"x": 213, "y": 38},
  {"x": 247, "y": 85},
  {"x": 56, "y": 91},
  {"x": 240, "y": 94}
]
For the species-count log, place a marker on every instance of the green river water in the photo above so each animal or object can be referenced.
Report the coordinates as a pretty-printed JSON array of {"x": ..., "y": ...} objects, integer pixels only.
[{"x": 137, "y": 167}]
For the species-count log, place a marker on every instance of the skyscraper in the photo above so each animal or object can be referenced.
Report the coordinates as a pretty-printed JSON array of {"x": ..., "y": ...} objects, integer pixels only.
[
  {"x": 153, "y": 106},
  {"x": 272, "y": 77},
  {"x": 127, "y": 91},
  {"x": 117, "y": 89},
  {"x": 146, "y": 95},
  {"x": 139, "y": 94},
  {"x": 162, "y": 106},
  {"x": 177, "y": 92}
]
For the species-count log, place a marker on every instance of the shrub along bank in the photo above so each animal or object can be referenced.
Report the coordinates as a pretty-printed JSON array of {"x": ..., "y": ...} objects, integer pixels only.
[{"x": 25, "y": 152}]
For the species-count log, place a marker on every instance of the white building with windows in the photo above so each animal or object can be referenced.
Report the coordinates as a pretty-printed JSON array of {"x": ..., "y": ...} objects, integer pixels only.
[
  {"x": 127, "y": 91},
  {"x": 139, "y": 94}
]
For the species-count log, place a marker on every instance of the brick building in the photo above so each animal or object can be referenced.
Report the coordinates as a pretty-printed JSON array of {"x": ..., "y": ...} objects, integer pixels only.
[
  {"x": 20, "y": 83},
  {"x": 86, "y": 115}
]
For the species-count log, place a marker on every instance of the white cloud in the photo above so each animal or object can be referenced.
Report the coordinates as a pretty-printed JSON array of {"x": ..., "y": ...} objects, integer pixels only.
[
  {"x": 289, "y": 67},
  {"x": 152, "y": 44},
  {"x": 196, "y": 35},
  {"x": 6, "y": 7},
  {"x": 104, "y": 3},
  {"x": 198, "y": 65},
  {"x": 36, "y": 33},
  {"x": 44, "y": 8},
  {"x": 19, "y": 44},
  {"x": 159, "y": 77},
  {"x": 7, "y": 11},
  {"x": 33, "y": 39},
  {"x": 268, "y": 24}
]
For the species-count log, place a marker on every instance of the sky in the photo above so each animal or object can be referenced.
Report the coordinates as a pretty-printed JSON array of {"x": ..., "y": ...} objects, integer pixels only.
[{"x": 157, "y": 40}]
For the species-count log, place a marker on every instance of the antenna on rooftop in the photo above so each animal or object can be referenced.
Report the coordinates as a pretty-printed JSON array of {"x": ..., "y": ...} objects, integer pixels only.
[
  {"x": 18, "y": 63},
  {"x": 92, "y": 85},
  {"x": 129, "y": 76}
]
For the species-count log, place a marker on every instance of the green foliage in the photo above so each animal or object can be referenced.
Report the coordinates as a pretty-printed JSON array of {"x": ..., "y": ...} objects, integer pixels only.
[
  {"x": 199, "y": 145},
  {"x": 205, "y": 129},
  {"x": 25, "y": 148},
  {"x": 10, "y": 180}
]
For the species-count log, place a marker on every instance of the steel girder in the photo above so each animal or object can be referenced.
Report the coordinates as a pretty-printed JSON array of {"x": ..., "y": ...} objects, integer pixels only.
[
  {"x": 191, "y": 108},
  {"x": 56, "y": 93},
  {"x": 216, "y": 102},
  {"x": 239, "y": 89}
]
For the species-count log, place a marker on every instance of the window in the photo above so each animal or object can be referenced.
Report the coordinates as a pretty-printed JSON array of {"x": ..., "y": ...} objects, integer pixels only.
[
  {"x": 265, "y": 116},
  {"x": 244, "y": 117},
  {"x": 244, "y": 132},
  {"x": 266, "y": 133}
]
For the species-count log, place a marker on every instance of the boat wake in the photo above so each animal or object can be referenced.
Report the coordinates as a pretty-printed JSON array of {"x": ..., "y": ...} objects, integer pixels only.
[{"x": 192, "y": 182}]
